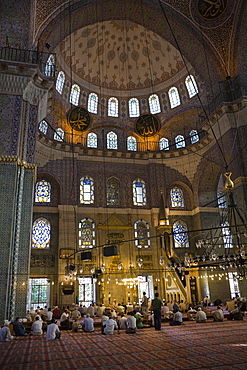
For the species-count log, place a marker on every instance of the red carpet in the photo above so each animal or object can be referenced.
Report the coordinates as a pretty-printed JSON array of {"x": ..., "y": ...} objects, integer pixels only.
[{"x": 190, "y": 346}]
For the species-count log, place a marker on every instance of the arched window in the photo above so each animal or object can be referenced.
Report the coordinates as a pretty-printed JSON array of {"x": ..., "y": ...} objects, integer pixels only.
[
  {"x": 112, "y": 140},
  {"x": 142, "y": 234},
  {"x": 86, "y": 190},
  {"x": 59, "y": 134},
  {"x": 43, "y": 126},
  {"x": 154, "y": 104},
  {"x": 190, "y": 83},
  {"x": 177, "y": 197},
  {"x": 92, "y": 141},
  {"x": 60, "y": 82},
  {"x": 131, "y": 143},
  {"x": 113, "y": 107},
  {"x": 180, "y": 142},
  {"x": 139, "y": 193},
  {"x": 41, "y": 233},
  {"x": 112, "y": 192},
  {"x": 134, "y": 108},
  {"x": 164, "y": 144},
  {"x": 194, "y": 137},
  {"x": 43, "y": 192},
  {"x": 92, "y": 104},
  {"x": 174, "y": 97},
  {"x": 74, "y": 95},
  {"x": 226, "y": 235},
  {"x": 180, "y": 234},
  {"x": 221, "y": 196},
  {"x": 86, "y": 233},
  {"x": 50, "y": 66}
]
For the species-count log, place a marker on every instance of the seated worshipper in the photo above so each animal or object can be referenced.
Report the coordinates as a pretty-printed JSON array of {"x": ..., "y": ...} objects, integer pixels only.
[
  {"x": 5, "y": 335},
  {"x": 36, "y": 328},
  {"x": 177, "y": 318},
  {"x": 120, "y": 309},
  {"x": 113, "y": 314},
  {"x": 56, "y": 312},
  {"x": 53, "y": 331},
  {"x": 182, "y": 306},
  {"x": 64, "y": 321},
  {"x": 100, "y": 310},
  {"x": 122, "y": 322},
  {"x": 139, "y": 323},
  {"x": 235, "y": 314},
  {"x": 201, "y": 316},
  {"x": 190, "y": 314},
  {"x": 104, "y": 318},
  {"x": 230, "y": 305},
  {"x": 75, "y": 326},
  {"x": 109, "y": 326},
  {"x": 131, "y": 323},
  {"x": 90, "y": 310},
  {"x": 75, "y": 315},
  {"x": 218, "y": 315},
  {"x": 32, "y": 312},
  {"x": 49, "y": 315},
  {"x": 151, "y": 319},
  {"x": 19, "y": 328},
  {"x": 88, "y": 324}
]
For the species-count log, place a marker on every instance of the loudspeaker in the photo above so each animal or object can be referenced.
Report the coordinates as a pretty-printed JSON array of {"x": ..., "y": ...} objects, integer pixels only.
[
  {"x": 86, "y": 256},
  {"x": 110, "y": 251}
]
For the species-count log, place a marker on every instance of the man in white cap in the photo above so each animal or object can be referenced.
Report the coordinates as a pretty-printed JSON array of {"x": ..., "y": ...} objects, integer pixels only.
[{"x": 5, "y": 335}]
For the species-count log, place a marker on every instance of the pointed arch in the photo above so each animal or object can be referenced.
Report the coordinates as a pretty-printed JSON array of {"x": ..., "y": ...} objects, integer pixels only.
[
  {"x": 41, "y": 233},
  {"x": 194, "y": 137},
  {"x": 112, "y": 191},
  {"x": 134, "y": 107},
  {"x": 60, "y": 82},
  {"x": 180, "y": 142},
  {"x": 139, "y": 192},
  {"x": 154, "y": 104},
  {"x": 42, "y": 192},
  {"x": 50, "y": 66},
  {"x": 112, "y": 140},
  {"x": 92, "y": 104},
  {"x": 177, "y": 197},
  {"x": 86, "y": 234},
  {"x": 180, "y": 234},
  {"x": 92, "y": 140},
  {"x": 43, "y": 126},
  {"x": 86, "y": 190},
  {"x": 174, "y": 97},
  {"x": 191, "y": 86},
  {"x": 164, "y": 144},
  {"x": 131, "y": 143},
  {"x": 74, "y": 94},
  {"x": 142, "y": 234},
  {"x": 113, "y": 107}
]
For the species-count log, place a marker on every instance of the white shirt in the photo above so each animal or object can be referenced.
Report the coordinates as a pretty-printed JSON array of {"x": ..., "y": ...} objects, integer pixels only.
[
  {"x": 88, "y": 324},
  {"x": 178, "y": 317},
  {"x": 131, "y": 322},
  {"x": 49, "y": 315},
  {"x": 122, "y": 322},
  {"x": 201, "y": 316},
  {"x": 5, "y": 335},
  {"x": 37, "y": 327},
  {"x": 52, "y": 329},
  {"x": 65, "y": 316},
  {"x": 109, "y": 326}
]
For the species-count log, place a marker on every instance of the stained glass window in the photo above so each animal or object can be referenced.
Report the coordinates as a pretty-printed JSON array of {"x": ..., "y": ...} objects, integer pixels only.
[
  {"x": 59, "y": 134},
  {"x": 92, "y": 140},
  {"x": 174, "y": 97},
  {"x": 41, "y": 233},
  {"x": 180, "y": 233},
  {"x": 74, "y": 95},
  {"x": 43, "y": 192},
  {"x": 60, "y": 82},
  {"x": 112, "y": 140},
  {"x": 112, "y": 190},
  {"x": 50, "y": 66},
  {"x": 134, "y": 108},
  {"x": 86, "y": 233},
  {"x": 86, "y": 190},
  {"x": 154, "y": 104},
  {"x": 227, "y": 236},
  {"x": 177, "y": 198},
  {"x": 93, "y": 103},
  {"x": 131, "y": 143},
  {"x": 164, "y": 144},
  {"x": 194, "y": 137},
  {"x": 191, "y": 86},
  {"x": 139, "y": 193},
  {"x": 113, "y": 107},
  {"x": 38, "y": 293},
  {"x": 87, "y": 291},
  {"x": 180, "y": 142},
  {"x": 141, "y": 228},
  {"x": 43, "y": 126}
]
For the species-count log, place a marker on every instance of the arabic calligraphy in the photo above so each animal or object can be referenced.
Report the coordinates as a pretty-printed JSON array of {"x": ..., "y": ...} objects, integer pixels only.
[
  {"x": 211, "y": 9},
  {"x": 79, "y": 118},
  {"x": 147, "y": 125}
]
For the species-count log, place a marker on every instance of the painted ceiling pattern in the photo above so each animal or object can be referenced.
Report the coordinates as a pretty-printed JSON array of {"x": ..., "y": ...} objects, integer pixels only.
[{"x": 120, "y": 55}]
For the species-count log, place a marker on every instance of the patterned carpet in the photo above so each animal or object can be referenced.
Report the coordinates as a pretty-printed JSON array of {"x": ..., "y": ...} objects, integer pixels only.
[{"x": 220, "y": 346}]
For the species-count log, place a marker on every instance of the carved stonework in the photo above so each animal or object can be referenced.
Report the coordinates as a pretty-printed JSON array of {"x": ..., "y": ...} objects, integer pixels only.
[{"x": 33, "y": 94}]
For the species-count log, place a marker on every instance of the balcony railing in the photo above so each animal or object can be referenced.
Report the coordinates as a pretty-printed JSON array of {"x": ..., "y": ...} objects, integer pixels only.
[{"x": 29, "y": 57}]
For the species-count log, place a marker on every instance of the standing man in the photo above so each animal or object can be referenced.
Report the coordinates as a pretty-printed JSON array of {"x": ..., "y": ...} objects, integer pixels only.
[
  {"x": 144, "y": 304},
  {"x": 157, "y": 304}
]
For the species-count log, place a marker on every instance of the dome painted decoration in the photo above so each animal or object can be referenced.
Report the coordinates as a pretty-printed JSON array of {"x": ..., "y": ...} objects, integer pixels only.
[
  {"x": 119, "y": 55},
  {"x": 147, "y": 125},
  {"x": 79, "y": 118}
]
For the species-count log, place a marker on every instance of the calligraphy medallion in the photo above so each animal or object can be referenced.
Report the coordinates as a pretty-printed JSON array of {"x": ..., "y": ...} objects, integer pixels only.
[
  {"x": 211, "y": 13},
  {"x": 147, "y": 125},
  {"x": 79, "y": 118}
]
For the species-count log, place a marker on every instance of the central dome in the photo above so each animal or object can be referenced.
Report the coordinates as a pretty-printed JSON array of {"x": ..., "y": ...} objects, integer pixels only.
[{"x": 119, "y": 56}]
